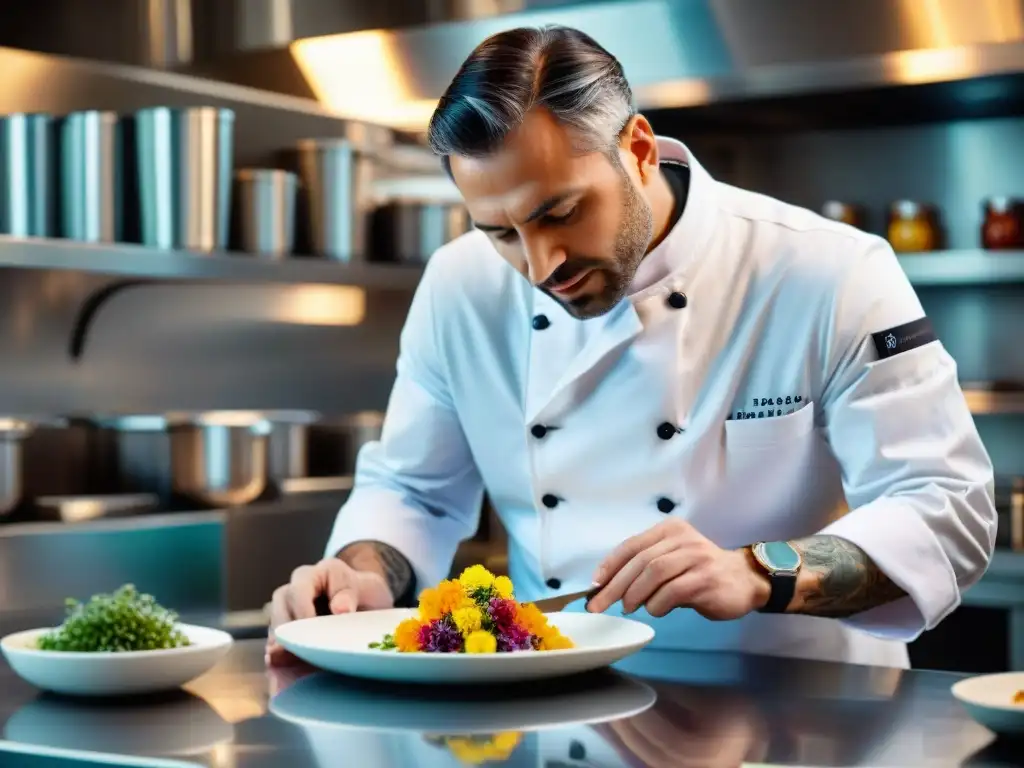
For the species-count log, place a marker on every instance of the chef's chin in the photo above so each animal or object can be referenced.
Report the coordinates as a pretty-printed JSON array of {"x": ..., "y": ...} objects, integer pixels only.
[{"x": 595, "y": 302}]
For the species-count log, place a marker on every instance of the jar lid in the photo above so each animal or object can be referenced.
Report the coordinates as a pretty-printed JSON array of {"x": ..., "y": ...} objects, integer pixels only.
[
  {"x": 1001, "y": 203},
  {"x": 834, "y": 209},
  {"x": 907, "y": 209}
]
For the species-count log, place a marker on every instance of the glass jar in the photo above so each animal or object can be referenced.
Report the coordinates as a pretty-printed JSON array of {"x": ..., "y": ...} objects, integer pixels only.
[
  {"x": 1002, "y": 228},
  {"x": 847, "y": 213},
  {"x": 912, "y": 227}
]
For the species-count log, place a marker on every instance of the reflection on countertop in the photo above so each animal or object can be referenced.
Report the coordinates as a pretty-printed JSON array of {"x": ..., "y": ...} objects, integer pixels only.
[{"x": 657, "y": 708}]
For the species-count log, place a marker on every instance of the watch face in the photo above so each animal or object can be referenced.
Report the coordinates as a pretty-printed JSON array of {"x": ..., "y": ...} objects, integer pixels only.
[{"x": 780, "y": 555}]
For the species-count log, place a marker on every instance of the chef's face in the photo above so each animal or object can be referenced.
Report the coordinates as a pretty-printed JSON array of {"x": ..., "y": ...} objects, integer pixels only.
[{"x": 575, "y": 224}]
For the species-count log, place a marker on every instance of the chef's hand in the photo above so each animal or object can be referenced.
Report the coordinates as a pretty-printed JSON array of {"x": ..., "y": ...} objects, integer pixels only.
[
  {"x": 343, "y": 587},
  {"x": 673, "y": 566}
]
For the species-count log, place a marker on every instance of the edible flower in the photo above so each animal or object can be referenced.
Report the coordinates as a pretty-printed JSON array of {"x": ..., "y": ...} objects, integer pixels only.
[
  {"x": 468, "y": 620},
  {"x": 407, "y": 636},
  {"x": 476, "y": 578},
  {"x": 481, "y": 641},
  {"x": 503, "y": 586},
  {"x": 476, "y": 613}
]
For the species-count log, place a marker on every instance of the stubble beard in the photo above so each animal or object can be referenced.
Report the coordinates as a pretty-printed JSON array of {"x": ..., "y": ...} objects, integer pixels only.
[{"x": 634, "y": 237}]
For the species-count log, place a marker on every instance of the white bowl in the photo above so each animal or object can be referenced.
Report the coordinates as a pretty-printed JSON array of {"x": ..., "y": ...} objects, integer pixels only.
[
  {"x": 114, "y": 673},
  {"x": 988, "y": 699},
  {"x": 339, "y": 643}
]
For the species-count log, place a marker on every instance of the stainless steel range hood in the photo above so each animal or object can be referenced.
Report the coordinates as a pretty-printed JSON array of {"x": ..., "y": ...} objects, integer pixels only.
[
  {"x": 389, "y": 60},
  {"x": 685, "y": 53}
]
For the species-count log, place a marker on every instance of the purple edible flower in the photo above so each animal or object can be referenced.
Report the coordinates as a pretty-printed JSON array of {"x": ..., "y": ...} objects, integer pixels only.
[
  {"x": 443, "y": 638},
  {"x": 514, "y": 638}
]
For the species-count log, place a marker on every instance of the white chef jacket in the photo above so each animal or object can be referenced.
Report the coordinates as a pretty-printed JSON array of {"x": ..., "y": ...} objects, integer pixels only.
[{"x": 780, "y": 403}]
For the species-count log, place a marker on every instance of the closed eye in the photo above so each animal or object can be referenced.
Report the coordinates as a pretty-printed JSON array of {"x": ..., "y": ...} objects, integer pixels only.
[{"x": 551, "y": 219}]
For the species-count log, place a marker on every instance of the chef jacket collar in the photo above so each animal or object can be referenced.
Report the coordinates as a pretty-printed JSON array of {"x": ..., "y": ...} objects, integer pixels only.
[{"x": 671, "y": 262}]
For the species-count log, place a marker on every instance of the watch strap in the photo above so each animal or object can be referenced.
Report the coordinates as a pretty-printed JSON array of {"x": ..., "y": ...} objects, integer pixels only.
[{"x": 783, "y": 586}]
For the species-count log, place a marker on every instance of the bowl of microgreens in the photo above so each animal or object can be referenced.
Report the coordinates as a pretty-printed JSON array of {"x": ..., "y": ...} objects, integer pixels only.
[{"x": 115, "y": 644}]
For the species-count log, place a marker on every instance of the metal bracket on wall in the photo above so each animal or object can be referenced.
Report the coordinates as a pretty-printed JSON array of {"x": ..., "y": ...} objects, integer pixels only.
[{"x": 92, "y": 305}]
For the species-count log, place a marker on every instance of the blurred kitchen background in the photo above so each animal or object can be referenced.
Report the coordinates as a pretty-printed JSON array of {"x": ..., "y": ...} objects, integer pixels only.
[{"x": 214, "y": 213}]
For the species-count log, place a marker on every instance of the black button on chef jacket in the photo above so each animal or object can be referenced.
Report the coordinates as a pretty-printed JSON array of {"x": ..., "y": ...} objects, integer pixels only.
[{"x": 677, "y": 300}]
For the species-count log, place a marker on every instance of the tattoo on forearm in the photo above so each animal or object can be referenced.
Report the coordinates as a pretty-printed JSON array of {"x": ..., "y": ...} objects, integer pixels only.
[
  {"x": 392, "y": 564},
  {"x": 397, "y": 572},
  {"x": 845, "y": 580}
]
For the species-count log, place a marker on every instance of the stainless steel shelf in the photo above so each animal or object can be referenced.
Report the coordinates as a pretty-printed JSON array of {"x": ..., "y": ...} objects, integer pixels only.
[
  {"x": 137, "y": 262},
  {"x": 937, "y": 268},
  {"x": 963, "y": 267}
]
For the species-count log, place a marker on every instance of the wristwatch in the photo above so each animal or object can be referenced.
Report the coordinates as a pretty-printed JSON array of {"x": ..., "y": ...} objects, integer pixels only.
[{"x": 782, "y": 564}]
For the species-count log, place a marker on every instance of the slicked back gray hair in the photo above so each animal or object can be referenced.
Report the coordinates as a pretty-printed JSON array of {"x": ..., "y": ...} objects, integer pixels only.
[{"x": 558, "y": 68}]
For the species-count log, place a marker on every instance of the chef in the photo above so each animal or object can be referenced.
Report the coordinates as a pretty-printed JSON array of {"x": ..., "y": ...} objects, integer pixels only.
[{"x": 666, "y": 385}]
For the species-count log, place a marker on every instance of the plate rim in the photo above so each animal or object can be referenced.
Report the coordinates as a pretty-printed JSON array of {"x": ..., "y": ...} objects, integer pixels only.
[
  {"x": 219, "y": 639},
  {"x": 464, "y": 658}
]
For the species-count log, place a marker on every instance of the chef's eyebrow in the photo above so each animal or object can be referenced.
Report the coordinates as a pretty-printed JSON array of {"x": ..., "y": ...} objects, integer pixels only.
[{"x": 552, "y": 202}]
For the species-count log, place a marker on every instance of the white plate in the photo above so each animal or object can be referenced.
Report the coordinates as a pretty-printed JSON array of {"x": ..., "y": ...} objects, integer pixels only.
[
  {"x": 339, "y": 644},
  {"x": 114, "y": 674},
  {"x": 322, "y": 699},
  {"x": 989, "y": 700}
]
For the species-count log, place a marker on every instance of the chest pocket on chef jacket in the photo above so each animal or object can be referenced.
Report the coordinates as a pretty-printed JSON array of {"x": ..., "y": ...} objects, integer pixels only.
[{"x": 774, "y": 432}]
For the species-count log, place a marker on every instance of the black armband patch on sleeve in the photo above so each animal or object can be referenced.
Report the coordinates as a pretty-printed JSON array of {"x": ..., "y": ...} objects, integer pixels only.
[{"x": 903, "y": 338}]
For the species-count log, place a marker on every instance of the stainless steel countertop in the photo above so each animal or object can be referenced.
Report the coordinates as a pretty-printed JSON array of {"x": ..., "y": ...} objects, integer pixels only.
[{"x": 708, "y": 710}]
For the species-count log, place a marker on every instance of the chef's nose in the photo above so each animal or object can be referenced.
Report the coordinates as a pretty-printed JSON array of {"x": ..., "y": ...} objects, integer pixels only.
[{"x": 542, "y": 259}]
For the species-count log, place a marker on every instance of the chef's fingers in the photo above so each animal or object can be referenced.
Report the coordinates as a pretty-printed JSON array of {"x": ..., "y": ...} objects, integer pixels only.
[
  {"x": 623, "y": 577},
  {"x": 280, "y": 614},
  {"x": 306, "y": 585},
  {"x": 683, "y": 591},
  {"x": 374, "y": 592},
  {"x": 659, "y": 570},
  {"x": 632, "y": 546},
  {"x": 341, "y": 585}
]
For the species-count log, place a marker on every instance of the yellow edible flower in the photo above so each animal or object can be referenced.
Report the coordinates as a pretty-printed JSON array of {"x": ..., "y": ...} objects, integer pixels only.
[
  {"x": 481, "y": 641},
  {"x": 451, "y": 596},
  {"x": 476, "y": 577},
  {"x": 473, "y": 752},
  {"x": 430, "y": 605},
  {"x": 468, "y": 619},
  {"x": 503, "y": 586},
  {"x": 407, "y": 636},
  {"x": 553, "y": 640}
]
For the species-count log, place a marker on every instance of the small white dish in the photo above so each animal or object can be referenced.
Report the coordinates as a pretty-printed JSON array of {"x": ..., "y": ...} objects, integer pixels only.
[
  {"x": 340, "y": 644},
  {"x": 114, "y": 674},
  {"x": 988, "y": 699}
]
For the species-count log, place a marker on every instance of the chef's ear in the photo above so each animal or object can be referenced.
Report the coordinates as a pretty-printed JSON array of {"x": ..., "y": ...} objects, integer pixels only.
[{"x": 639, "y": 142}]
